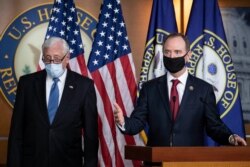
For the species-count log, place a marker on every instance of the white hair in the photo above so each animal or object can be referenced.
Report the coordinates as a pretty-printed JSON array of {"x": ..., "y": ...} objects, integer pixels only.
[{"x": 51, "y": 41}]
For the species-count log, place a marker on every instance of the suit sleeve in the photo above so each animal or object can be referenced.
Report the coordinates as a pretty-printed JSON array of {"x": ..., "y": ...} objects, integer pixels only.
[
  {"x": 90, "y": 128},
  {"x": 14, "y": 155},
  {"x": 138, "y": 118},
  {"x": 214, "y": 126}
]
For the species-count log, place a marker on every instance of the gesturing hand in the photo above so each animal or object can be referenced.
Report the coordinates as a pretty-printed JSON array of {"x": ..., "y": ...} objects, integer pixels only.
[{"x": 118, "y": 114}]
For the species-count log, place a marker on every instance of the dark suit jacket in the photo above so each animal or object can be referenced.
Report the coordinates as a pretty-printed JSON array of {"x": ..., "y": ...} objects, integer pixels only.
[
  {"x": 197, "y": 113},
  {"x": 33, "y": 142}
]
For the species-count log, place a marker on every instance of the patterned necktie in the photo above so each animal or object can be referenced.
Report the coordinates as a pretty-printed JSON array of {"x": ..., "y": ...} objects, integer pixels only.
[
  {"x": 174, "y": 99},
  {"x": 53, "y": 100}
]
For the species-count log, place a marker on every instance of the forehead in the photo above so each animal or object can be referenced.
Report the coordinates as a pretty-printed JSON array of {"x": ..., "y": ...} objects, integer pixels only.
[
  {"x": 54, "y": 50},
  {"x": 175, "y": 43}
]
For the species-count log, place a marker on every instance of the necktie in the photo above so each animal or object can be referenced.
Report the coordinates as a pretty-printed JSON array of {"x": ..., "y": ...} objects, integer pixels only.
[
  {"x": 174, "y": 99},
  {"x": 53, "y": 100}
]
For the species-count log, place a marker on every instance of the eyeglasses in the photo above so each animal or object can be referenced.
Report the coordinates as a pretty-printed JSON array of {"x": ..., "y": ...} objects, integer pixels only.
[{"x": 48, "y": 60}]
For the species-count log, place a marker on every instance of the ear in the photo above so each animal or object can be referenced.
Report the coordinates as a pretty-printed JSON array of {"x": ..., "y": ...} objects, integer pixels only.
[
  {"x": 188, "y": 56},
  {"x": 66, "y": 61},
  {"x": 67, "y": 58}
]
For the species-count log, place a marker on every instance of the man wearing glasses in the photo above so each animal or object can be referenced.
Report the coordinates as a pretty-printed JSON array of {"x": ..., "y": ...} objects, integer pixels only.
[
  {"x": 178, "y": 107},
  {"x": 51, "y": 109}
]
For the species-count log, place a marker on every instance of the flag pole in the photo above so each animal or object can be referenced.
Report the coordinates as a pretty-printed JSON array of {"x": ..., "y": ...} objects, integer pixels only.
[{"x": 182, "y": 16}]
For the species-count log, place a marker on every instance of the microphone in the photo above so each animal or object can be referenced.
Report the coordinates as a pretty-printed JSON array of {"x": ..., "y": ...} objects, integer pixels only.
[{"x": 172, "y": 124}]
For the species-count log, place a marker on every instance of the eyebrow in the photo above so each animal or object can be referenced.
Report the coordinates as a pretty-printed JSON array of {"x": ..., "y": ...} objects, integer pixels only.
[
  {"x": 172, "y": 50},
  {"x": 55, "y": 56}
]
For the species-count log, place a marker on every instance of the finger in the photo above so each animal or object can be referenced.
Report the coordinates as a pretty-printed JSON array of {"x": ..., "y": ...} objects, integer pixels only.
[
  {"x": 240, "y": 141},
  {"x": 243, "y": 143},
  {"x": 117, "y": 107},
  {"x": 117, "y": 120}
]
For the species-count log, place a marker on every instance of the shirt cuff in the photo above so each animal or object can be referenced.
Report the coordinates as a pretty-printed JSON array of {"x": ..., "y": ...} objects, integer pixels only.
[
  {"x": 121, "y": 127},
  {"x": 232, "y": 139}
]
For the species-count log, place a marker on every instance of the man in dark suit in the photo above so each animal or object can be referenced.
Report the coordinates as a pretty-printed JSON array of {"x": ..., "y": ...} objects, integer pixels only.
[
  {"x": 178, "y": 107},
  {"x": 51, "y": 109}
]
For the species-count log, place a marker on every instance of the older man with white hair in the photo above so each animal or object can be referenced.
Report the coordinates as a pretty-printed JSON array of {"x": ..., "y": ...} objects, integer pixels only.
[{"x": 51, "y": 109}]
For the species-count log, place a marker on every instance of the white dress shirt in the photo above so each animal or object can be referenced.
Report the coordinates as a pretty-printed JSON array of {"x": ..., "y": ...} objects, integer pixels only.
[
  {"x": 60, "y": 83},
  {"x": 180, "y": 87}
]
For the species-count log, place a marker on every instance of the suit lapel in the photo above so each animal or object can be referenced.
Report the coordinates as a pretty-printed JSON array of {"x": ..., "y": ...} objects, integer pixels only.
[
  {"x": 162, "y": 87},
  {"x": 189, "y": 89},
  {"x": 68, "y": 93},
  {"x": 40, "y": 91}
]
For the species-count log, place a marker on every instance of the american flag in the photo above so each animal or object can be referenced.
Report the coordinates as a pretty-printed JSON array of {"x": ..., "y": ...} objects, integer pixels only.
[
  {"x": 112, "y": 69},
  {"x": 63, "y": 24}
]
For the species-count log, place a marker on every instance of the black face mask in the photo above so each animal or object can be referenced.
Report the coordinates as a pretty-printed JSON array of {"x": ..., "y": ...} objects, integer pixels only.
[{"x": 174, "y": 65}]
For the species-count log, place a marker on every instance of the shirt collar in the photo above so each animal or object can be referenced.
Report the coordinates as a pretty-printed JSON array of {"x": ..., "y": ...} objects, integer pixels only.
[
  {"x": 182, "y": 78},
  {"x": 62, "y": 78}
]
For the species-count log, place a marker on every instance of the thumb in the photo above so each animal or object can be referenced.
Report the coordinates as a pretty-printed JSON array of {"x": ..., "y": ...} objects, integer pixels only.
[{"x": 117, "y": 107}]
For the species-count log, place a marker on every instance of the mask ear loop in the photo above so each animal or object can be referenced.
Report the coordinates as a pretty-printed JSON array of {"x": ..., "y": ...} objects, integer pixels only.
[
  {"x": 186, "y": 53},
  {"x": 185, "y": 56}
]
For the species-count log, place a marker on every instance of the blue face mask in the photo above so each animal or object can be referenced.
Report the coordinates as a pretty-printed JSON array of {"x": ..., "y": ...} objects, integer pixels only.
[{"x": 54, "y": 70}]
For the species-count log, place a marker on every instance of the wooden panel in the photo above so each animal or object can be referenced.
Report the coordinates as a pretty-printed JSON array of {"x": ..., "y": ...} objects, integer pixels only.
[
  {"x": 234, "y": 3},
  {"x": 187, "y": 154},
  {"x": 5, "y": 116},
  {"x": 203, "y": 153},
  {"x": 247, "y": 128},
  {"x": 207, "y": 164},
  {"x": 3, "y": 151}
]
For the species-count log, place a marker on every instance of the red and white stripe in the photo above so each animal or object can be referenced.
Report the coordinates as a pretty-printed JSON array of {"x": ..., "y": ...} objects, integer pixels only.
[{"x": 115, "y": 82}]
